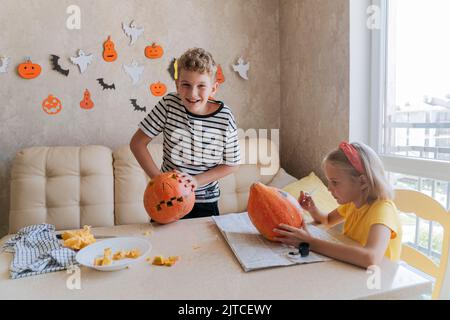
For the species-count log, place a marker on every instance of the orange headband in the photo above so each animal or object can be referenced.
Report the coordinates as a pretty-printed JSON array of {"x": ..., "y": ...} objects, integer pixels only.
[{"x": 353, "y": 156}]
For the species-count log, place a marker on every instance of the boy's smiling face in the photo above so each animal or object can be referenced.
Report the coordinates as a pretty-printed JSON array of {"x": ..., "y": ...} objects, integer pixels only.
[{"x": 194, "y": 89}]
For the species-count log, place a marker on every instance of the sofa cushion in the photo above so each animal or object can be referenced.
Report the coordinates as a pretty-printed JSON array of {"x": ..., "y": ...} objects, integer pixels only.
[{"x": 65, "y": 186}]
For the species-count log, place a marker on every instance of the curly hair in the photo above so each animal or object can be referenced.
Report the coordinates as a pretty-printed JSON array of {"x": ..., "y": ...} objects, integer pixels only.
[{"x": 199, "y": 60}]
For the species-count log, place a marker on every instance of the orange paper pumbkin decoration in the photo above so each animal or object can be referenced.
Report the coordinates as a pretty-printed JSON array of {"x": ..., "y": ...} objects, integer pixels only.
[
  {"x": 87, "y": 103},
  {"x": 154, "y": 51},
  {"x": 109, "y": 52},
  {"x": 269, "y": 206},
  {"x": 220, "y": 78},
  {"x": 29, "y": 70},
  {"x": 158, "y": 89},
  {"x": 51, "y": 105},
  {"x": 167, "y": 198}
]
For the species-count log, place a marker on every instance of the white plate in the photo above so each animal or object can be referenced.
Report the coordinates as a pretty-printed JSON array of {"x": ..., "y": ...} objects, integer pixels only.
[{"x": 87, "y": 255}]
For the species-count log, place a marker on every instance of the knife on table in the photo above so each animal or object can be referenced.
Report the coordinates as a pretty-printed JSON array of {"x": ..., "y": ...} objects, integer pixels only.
[{"x": 59, "y": 236}]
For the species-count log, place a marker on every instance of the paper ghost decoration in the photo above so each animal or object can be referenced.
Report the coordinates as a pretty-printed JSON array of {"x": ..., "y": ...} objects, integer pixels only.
[
  {"x": 132, "y": 31},
  {"x": 134, "y": 71},
  {"x": 82, "y": 61},
  {"x": 4, "y": 64},
  {"x": 242, "y": 68}
]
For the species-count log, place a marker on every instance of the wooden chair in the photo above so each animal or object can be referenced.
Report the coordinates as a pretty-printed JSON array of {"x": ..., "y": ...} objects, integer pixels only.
[{"x": 425, "y": 207}]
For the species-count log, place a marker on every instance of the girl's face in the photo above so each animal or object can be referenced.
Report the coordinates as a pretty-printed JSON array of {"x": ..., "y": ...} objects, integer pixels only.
[
  {"x": 194, "y": 89},
  {"x": 344, "y": 187}
]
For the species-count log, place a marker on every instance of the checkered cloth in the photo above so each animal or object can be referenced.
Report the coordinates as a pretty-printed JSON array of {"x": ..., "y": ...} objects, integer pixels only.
[{"x": 37, "y": 251}]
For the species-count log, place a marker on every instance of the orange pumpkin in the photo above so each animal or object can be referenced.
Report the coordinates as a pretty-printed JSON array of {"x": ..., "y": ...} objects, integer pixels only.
[
  {"x": 167, "y": 198},
  {"x": 51, "y": 105},
  {"x": 220, "y": 78},
  {"x": 268, "y": 207},
  {"x": 86, "y": 103},
  {"x": 158, "y": 89},
  {"x": 29, "y": 70},
  {"x": 109, "y": 52},
  {"x": 154, "y": 51}
]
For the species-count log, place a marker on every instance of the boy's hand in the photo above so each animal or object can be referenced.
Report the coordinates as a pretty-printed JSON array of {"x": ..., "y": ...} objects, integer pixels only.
[
  {"x": 306, "y": 202},
  {"x": 187, "y": 179}
]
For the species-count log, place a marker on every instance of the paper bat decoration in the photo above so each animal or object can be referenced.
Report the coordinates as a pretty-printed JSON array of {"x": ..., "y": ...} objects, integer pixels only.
[
  {"x": 137, "y": 107},
  {"x": 134, "y": 71},
  {"x": 106, "y": 86},
  {"x": 4, "y": 65},
  {"x": 132, "y": 31},
  {"x": 55, "y": 65},
  {"x": 82, "y": 61},
  {"x": 242, "y": 68},
  {"x": 173, "y": 69}
]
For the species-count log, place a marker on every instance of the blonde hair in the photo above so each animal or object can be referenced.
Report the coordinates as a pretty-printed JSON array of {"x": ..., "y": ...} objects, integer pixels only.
[
  {"x": 199, "y": 60},
  {"x": 379, "y": 187}
]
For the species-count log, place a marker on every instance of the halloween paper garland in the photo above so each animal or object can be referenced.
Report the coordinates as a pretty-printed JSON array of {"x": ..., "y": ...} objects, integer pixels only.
[
  {"x": 106, "y": 86},
  {"x": 28, "y": 69},
  {"x": 132, "y": 31},
  {"x": 158, "y": 89},
  {"x": 86, "y": 103},
  {"x": 134, "y": 70},
  {"x": 51, "y": 105},
  {"x": 4, "y": 64},
  {"x": 55, "y": 65},
  {"x": 242, "y": 68},
  {"x": 82, "y": 61},
  {"x": 137, "y": 107},
  {"x": 109, "y": 51}
]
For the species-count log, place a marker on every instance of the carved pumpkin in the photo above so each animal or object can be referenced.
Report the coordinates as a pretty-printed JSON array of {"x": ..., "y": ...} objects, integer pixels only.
[
  {"x": 220, "y": 78},
  {"x": 167, "y": 198},
  {"x": 109, "y": 53},
  {"x": 29, "y": 70},
  {"x": 158, "y": 89},
  {"x": 51, "y": 105},
  {"x": 86, "y": 103},
  {"x": 268, "y": 207},
  {"x": 154, "y": 51}
]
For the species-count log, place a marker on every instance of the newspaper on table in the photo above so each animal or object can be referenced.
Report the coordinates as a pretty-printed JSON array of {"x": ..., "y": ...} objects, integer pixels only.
[{"x": 254, "y": 252}]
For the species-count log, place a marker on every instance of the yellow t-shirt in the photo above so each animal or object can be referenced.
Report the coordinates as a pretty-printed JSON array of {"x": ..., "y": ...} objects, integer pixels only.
[{"x": 358, "y": 222}]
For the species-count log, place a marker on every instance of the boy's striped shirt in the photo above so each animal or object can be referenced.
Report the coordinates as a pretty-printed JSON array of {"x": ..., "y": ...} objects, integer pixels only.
[{"x": 193, "y": 143}]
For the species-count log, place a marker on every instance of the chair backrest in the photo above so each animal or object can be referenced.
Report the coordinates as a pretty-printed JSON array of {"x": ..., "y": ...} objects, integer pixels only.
[{"x": 425, "y": 207}]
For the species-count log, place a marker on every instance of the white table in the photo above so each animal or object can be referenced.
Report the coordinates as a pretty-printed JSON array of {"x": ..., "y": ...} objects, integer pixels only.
[{"x": 209, "y": 270}]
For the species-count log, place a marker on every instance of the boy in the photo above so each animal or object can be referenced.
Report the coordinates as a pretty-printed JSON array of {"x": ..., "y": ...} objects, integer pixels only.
[{"x": 200, "y": 134}]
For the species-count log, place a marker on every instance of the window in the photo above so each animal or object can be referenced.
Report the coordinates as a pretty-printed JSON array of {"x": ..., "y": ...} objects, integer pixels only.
[{"x": 411, "y": 105}]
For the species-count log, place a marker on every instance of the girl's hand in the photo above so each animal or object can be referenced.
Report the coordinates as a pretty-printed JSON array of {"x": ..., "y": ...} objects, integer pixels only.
[
  {"x": 306, "y": 202},
  {"x": 188, "y": 180},
  {"x": 293, "y": 236}
]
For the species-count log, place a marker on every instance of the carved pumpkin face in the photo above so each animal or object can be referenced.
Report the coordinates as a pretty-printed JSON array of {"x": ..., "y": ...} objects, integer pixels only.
[
  {"x": 268, "y": 207},
  {"x": 109, "y": 52},
  {"x": 29, "y": 70},
  {"x": 220, "y": 78},
  {"x": 158, "y": 89},
  {"x": 51, "y": 105},
  {"x": 86, "y": 103},
  {"x": 154, "y": 51},
  {"x": 167, "y": 198}
]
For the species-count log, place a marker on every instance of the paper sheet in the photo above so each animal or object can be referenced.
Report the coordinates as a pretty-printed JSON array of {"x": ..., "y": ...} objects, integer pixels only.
[{"x": 254, "y": 252}]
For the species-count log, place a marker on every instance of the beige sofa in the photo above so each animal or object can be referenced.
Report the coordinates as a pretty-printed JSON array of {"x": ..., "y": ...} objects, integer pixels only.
[{"x": 92, "y": 185}]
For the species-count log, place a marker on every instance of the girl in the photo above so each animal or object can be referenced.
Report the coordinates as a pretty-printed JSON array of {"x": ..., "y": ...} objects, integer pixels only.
[{"x": 357, "y": 180}]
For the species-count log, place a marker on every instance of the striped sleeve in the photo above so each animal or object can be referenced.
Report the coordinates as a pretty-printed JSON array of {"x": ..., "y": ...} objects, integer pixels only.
[
  {"x": 153, "y": 124},
  {"x": 231, "y": 151}
]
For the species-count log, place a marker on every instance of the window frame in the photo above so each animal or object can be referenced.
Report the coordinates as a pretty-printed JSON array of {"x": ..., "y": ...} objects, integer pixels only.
[{"x": 426, "y": 168}]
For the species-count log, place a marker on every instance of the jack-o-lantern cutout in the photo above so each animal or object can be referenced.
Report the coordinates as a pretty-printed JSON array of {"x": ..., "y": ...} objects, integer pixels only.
[
  {"x": 29, "y": 70},
  {"x": 158, "y": 89},
  {"x": 168, "y": 197},
  {"x": 220, "y": 78},
  {"x": 87, "y": 103},
  {"x": 154, "y": 51},
  {"x": 109, "y": 52},
  {"x": 51, "y": 105}
]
